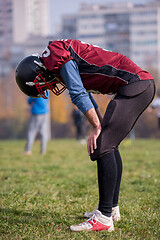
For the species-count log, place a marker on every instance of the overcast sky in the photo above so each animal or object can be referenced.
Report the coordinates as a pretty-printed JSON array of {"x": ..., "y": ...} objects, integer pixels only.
[{"x": 62, "y": 7}]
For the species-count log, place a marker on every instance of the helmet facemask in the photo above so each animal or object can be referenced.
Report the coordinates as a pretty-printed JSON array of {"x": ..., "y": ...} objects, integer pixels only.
[{"x": 46, "y": 80}]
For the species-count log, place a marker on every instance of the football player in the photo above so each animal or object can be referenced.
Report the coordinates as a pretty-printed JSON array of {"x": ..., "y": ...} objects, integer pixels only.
[{"x": 84, "y": 68}]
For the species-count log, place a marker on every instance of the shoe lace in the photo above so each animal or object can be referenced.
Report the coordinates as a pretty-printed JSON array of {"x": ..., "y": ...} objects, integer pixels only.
[{"x": 91, "y": 220}]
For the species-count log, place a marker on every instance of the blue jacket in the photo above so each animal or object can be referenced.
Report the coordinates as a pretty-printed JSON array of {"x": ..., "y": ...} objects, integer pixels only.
[{"x": 39, "y": 105}]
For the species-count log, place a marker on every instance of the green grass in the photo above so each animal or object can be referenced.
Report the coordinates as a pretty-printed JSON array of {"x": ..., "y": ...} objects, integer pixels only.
[{"x": 41, "y": 196}]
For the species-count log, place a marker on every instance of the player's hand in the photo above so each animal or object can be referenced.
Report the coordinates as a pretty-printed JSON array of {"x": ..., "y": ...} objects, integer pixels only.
[{"x": 92, "y": 144}]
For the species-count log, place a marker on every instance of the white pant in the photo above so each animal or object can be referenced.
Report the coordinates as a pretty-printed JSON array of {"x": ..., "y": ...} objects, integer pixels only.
[{"x": 38, "y": 123}]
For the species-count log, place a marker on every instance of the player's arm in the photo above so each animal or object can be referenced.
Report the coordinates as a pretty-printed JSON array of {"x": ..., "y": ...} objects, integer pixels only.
[
  {"x": 96, "y": 108},
  {"x": 77, "y": 92},
  {"x": 79, "y": 96},
  {"x": 99, "y": 114},
  {"x": 93, "y": 118}
]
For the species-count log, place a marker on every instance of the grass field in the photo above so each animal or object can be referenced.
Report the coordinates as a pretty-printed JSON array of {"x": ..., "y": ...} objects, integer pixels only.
[{"x": 41, "y": 196}]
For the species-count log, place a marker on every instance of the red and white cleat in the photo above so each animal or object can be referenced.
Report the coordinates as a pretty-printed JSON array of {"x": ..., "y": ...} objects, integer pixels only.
[
  {"x": 98, "y": 222},
  {"x": 115, "y": 214}
]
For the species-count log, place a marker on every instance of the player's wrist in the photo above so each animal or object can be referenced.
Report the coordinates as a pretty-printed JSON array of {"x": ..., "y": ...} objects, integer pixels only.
[{"x": 97, "y": 128}]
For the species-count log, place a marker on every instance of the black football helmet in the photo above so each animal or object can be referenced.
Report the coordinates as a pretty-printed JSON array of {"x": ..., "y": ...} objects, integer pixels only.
[{"x": 33, "y": 78}]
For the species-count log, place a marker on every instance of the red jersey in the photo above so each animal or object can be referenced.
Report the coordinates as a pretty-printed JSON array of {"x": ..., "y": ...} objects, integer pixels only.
[{"x": 101, "y": 70}]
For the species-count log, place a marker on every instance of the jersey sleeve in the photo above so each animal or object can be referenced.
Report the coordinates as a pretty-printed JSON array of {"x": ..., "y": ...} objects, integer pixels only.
[
  {"x": 77, "y": 92},
  {"x": 55, "y": 55}
]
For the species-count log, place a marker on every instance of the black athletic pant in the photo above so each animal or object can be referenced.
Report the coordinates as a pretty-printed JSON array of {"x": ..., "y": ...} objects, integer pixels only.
[
  {"x": 120, "y": 117},
  {"x": 109, "y": 178}
]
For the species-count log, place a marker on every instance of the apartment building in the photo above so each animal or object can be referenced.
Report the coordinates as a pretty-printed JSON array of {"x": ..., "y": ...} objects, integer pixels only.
[
  {"x": 6, "y": 30},
  {"x": 133, "y": 30},
  {"x": 105, "y": 26},
  {"x": 145, "y": 34},
  {"x": 24, "y": 27},
  {"x": 30, "y": 17}
]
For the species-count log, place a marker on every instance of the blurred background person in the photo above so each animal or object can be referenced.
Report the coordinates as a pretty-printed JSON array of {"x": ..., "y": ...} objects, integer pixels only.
[
  {"x": 38, "y": 123},
  {"x": 156, "y": 105},
  {"x": 80, "y": 125}
]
